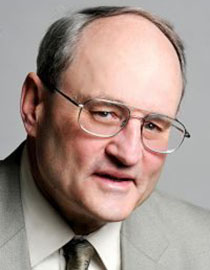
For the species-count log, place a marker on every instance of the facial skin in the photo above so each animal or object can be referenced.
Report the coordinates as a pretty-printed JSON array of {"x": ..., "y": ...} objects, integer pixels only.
[{"x": 122, "y": 58}]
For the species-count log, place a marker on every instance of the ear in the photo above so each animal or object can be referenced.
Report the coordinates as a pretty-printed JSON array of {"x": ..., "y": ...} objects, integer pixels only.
[{"x": 31, "y": 99}]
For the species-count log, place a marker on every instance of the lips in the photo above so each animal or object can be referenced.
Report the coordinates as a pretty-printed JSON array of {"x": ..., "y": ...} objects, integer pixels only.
[
  {"x": 115, "y": 176},
  {"x": 113, "y": 182}
]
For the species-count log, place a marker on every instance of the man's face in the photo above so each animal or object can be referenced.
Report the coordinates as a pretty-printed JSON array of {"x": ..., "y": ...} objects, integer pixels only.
[{"x": 124, "y": 58}]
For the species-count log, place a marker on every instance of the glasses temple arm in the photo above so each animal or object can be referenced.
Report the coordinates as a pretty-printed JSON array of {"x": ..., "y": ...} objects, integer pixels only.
[
  {"x": 186, "y": 133},
  {"x": 67, "y": 97}
]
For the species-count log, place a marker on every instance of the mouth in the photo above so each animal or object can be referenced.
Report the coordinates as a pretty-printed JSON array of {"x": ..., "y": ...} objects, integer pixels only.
[
  {"x": 114, "y": 181},
  {"x": 114, "y": 178}
]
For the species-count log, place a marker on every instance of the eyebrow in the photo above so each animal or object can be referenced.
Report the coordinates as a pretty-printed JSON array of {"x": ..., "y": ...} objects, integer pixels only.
[
  {"x": 86, "y": 97},
  {"x": 81, "y": 98}
]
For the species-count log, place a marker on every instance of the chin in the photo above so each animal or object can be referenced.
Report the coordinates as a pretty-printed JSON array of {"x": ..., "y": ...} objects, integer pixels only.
[{"x": 115, "y": 214}]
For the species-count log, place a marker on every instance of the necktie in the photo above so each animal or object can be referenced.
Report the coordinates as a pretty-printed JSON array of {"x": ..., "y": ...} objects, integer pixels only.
[{"x": 78, "y": 253}]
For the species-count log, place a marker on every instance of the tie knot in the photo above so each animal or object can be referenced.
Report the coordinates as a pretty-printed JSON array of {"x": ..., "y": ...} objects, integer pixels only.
[{"x": 78, "y": 253}]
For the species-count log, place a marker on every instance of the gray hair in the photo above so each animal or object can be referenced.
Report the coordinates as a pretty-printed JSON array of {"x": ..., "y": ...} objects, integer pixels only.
[{"x": 57, "y": 49}]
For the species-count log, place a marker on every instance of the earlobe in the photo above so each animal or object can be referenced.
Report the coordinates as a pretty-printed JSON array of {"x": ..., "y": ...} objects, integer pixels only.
[{"x": 31, "y": 98}]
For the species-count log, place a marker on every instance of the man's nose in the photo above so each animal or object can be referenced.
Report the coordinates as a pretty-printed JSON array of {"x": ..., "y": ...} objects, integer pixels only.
[{"x": 126, "y": 147}]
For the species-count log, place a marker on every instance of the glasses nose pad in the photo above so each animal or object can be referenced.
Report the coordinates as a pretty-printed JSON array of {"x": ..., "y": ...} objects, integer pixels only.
[{"x": 124, "y": 122}]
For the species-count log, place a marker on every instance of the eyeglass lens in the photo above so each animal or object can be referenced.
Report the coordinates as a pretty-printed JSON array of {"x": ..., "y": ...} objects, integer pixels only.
[
  {"x": 103, "y": 118},
  {"x": 162, "y": 134}
]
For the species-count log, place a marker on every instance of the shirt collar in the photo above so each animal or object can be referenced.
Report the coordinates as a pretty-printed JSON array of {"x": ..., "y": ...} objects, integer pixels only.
[
  {"x": 107, "y": 243},
  {"x": 47, "y": 231}
]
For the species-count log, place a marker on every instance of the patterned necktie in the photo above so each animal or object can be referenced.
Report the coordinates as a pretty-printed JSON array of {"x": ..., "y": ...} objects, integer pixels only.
[{"x": 78, "y": 253}]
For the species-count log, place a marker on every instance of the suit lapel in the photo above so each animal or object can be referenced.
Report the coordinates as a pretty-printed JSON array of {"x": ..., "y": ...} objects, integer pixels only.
[
  {"x": 142, "y": 240},
  {"x": 14, "y": 254},
  {"x": 13, "y": 242}
]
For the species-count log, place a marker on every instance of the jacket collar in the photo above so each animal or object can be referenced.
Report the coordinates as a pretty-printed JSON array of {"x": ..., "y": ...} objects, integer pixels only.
[{"x": 13, "y": 243}]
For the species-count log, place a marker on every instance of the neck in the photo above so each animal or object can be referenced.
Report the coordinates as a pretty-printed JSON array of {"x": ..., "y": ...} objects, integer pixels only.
[{"x": 84, "y": 228}]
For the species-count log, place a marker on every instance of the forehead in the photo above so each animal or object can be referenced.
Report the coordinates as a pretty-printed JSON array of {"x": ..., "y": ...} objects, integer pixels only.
[{"x": 128, "y": 58}]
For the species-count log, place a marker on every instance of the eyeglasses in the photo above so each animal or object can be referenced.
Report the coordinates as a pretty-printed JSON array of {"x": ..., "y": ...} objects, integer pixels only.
[{"x": 104, "y": 118}]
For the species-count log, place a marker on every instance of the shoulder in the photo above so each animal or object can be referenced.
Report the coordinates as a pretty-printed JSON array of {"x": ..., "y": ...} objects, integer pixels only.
[
  {"x": 173, "y": 211},
  {"x": 185, "y": 225},
  {"x": 10, "y": 163},
  {"x": 176, "y": 216},
  {"x": 9, "y": 167},
  {"x": 9, "y": 180},
  {"x": 10, "y": 198},
  {"x": 177, "y": 231},
  {"x": 178, "y": 213}
]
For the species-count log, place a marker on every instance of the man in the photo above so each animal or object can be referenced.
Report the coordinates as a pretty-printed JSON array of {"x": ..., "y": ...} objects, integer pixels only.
[{"x": 100, "y": 115}]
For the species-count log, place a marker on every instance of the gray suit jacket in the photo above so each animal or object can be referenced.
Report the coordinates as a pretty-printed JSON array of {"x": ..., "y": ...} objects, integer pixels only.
[{"x": 161, "y": 234}]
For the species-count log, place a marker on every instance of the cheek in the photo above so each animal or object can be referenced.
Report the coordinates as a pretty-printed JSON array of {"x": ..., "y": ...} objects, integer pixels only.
[
  {"x": 87, "y": 150},
  {"x": 53, "y": 146},
  {"x": 153, "y": 164}
]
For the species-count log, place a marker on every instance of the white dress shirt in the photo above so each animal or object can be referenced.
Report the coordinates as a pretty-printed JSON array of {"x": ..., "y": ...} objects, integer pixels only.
[{"x": 47, "y": 232}]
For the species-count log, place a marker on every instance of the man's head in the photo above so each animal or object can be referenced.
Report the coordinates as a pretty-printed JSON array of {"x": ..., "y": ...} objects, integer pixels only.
[{"x": 118, "y": 54}]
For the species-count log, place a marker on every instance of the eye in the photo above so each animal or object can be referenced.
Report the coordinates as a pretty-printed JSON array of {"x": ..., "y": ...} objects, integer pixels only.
[
  {"x": 103, "y": 114},
  {"x": 151, "y": 126}
]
